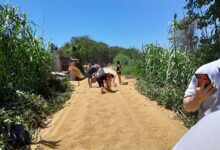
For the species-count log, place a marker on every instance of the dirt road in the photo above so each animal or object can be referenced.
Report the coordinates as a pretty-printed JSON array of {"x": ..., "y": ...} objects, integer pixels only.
[{"x": 124, "y": 120}]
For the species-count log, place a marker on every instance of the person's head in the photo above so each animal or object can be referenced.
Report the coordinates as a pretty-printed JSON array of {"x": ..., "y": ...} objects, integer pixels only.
[
  {"x": 101, "y": 66},
  {"x": 118, "y": 62},
  {"x": 112, "y": 76}
]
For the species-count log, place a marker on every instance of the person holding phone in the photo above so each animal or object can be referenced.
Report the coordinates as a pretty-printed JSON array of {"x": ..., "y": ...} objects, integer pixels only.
[{"x": 203, "y": 92}]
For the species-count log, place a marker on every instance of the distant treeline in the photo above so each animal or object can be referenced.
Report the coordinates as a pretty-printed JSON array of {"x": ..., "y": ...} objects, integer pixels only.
[{"x": 91, "y": 51}]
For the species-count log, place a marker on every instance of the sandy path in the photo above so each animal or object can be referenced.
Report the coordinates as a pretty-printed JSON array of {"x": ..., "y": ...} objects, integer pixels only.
[{"x": 123, "y": 120}]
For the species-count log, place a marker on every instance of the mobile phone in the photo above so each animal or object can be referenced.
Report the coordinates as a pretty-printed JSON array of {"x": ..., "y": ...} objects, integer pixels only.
[{"x": 203, "y": 78}]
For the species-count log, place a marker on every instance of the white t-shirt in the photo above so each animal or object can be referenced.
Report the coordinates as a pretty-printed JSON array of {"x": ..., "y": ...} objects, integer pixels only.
[
  {"x": 213, "y": 102},
  {"x": 205, "y": 135},
  {"x": 101, "y": 71}
]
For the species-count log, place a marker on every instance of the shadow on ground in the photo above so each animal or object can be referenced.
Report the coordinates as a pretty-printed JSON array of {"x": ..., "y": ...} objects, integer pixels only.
[
  {"x": 124, "y": 83},
  {"x": 50, "y": 144}
]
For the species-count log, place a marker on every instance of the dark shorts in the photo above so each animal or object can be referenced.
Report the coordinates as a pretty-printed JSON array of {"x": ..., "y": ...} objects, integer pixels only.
[
  {"x": 119, "y": 73},
  {"x": 89, "y": 75},
  {"x": 100, "y": 82}
]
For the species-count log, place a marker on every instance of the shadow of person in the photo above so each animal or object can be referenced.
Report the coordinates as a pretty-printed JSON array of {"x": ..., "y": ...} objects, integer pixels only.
[
  {"x": 112, "y": 91},
  {"x": 51, "y": 144},
  {"x": 124, "y": 83},
  {"x": 103, "y": 92},
  {"x": 95, "y": 86}
]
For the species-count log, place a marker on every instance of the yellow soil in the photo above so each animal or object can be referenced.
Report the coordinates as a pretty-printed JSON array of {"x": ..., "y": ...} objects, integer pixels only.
[{"x": 124, "y": 120}]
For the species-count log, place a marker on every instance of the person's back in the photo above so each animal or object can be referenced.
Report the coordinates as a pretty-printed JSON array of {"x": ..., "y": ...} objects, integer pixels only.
[
  {"x": 91, "y": 71},
  {"x": 100, "y": 71},
  {"x": 118, "y": 71},
  {"x": 118, "y": 68},
  {"x": 204, "y": 135}
]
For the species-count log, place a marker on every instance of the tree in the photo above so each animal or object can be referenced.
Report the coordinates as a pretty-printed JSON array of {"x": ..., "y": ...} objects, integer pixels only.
[
  {"x": 53, "y": 47},
  {"x": 188, "y": 39},
  {"x": 183, "y": 36},
  {"x": 91, "y": 51},
  {"x": 207, "y": 15}
]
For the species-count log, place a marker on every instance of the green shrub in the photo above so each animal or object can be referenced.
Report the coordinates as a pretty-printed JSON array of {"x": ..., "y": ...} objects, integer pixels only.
[
  {"x": 163, "y": 76},
  {"x": 28, "y": 91},
  {"x": 129, "y": 65},
  {"x": 25, "y": 64},
  {"x": 30, "y": 110}
]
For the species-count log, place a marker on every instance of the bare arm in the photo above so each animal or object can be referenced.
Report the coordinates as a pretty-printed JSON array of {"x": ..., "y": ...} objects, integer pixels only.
[{"x": 192, "y": 104}]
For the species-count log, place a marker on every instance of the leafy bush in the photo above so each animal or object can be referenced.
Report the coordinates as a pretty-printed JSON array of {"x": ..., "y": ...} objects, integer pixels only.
[
  {"x": 129, "y": 65},
  {"x": 25, "y": 64},
  {"x": 28, "y": 91},
  {"x": 29, "y": 109}
]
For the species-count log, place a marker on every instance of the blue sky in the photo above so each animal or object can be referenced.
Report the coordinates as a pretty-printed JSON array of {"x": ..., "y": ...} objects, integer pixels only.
[{"x": 125, "y": 23}]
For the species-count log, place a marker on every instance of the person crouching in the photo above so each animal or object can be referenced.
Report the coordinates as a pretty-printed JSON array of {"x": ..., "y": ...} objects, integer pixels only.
[
  {"x": 91, "y": 74},
  {"x": 105, "y": 79}
]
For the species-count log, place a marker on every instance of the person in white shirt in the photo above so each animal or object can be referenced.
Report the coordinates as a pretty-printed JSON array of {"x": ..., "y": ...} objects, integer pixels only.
[
  {"x": 204, "y": 99},
  {"x": 100, "y": 70},
  {"x": 204, "y": 135}
]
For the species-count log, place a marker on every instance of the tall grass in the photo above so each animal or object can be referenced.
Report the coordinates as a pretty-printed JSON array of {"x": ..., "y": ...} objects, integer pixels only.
[
  {"x": 24, "y": 62},
  {"x": 164, "y": 77},
  {"x": 28, "y": 92}
]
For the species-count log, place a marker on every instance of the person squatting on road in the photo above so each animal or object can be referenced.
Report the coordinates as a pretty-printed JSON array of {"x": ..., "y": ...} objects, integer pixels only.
[
  {"x": 206, "y": 99},
  {"x": 113, "y": 80},
  {"x": 105, "y": 79}
]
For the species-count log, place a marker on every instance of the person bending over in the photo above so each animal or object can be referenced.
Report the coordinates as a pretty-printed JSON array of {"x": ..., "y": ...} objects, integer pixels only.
[
  {"x": 105, "y": 79},
  {"x": 91, "y": 73}
]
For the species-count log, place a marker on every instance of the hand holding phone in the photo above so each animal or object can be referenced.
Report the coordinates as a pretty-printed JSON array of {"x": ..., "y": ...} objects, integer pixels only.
[
  {"x": 208, "y": 89},
  {"x": 203, "y": 78}
]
